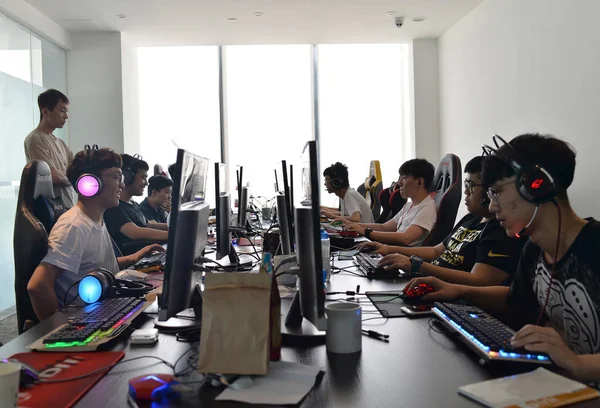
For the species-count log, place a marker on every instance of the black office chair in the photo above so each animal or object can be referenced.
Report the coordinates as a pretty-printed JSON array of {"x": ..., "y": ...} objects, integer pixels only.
[
  {"x": 447, "y": 192},
  {"x": 30, "y": 238},
  {"x": 391, "y": 202}
]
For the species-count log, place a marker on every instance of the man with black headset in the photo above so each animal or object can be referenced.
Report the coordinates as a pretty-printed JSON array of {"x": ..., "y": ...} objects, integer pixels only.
[
  {"x": 558, "y": 275},
  {"x": 79, "y": 241},
  {"x": 477, "y": 252},
  {"x": 353, "y": 205}
]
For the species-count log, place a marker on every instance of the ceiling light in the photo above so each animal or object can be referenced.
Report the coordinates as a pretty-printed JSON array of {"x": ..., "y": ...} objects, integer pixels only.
[
  {"x": 259, "y": 14},
  {"x": 121, "y": 16},
  {"x": 418, "y": 19},
  {"x": 391, "y": 13},
  {"x": 232, "y": 19}
]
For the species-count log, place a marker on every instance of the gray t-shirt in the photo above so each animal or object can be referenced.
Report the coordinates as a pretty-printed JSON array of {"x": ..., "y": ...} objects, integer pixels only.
[
  {"x": 353, "y": 202},
  {"x": 78, "y": 245},
  {"x": 423, "y": 214},
  {"x": 56, "y": 153}
]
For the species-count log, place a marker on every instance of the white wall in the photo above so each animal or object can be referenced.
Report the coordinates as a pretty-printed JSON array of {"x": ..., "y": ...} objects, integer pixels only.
[
  {"x": 515, "y": 66},
  {"x": 94, "y": 82},
  {"x": 426, "y": 99},
  {"x": 131, "y": 92}
]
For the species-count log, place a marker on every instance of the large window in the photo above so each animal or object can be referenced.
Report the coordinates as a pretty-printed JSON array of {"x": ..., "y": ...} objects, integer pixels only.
[
  {"x": 269, "y": 116},
  {"x": 179, "y": 105},
  {"x": 363, "y": 110}
]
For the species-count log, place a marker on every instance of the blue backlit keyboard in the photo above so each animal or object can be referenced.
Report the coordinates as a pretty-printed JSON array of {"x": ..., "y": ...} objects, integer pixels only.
[{"x": 486, "y": 335}]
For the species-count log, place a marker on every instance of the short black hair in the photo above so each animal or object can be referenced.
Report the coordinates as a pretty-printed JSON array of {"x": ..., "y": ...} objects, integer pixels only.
[
  {"x": 555, "y": 155},
  {"x": 474, "y": 165},
  {"x": 49, "y": 99},
  {"x": 134, "y": 163},
  {"x": 339, "y": 171},
  {"x": 84, "y": 162},
  {"x": 158, "y": 182},
  {"x": 418, "y": 168}
]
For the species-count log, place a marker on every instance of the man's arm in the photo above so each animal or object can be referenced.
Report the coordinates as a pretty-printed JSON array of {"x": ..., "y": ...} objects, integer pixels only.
[
  {"x": 355, "y": 217},
  {"x": 126, "y": 261},
  {"x": 405, "y": 238},
  {"x": 59, "y": 178},
  {"x": 481, "y": 274},
  {"x": 132, "y": 231},
  {"x": 36, "y": 151},
  {"x": 41, "y": 290},
  {"x": 427, "y": 253},
  {"x": 158, "y": 225},
  {"x": 388, "y": 226}
]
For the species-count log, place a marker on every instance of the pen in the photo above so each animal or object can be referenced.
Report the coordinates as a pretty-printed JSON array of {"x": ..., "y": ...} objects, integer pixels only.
[{"x": 376, "y": 335}]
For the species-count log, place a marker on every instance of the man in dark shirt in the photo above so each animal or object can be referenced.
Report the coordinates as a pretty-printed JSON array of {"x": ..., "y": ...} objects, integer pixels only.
[
  {"x": 558, "y": 275},
  {"x": 157, "y": 205},
  {"x": 478, "y": 244},
  {"x": 126, "y": 223}
]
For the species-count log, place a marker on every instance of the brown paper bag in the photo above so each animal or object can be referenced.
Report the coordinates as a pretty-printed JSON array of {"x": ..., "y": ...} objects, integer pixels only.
[{"x": 235, "y": 324}]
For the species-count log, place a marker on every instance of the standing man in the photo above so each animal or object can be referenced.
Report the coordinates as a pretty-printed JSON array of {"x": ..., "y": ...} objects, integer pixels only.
[{"x": 41, "y": 144}]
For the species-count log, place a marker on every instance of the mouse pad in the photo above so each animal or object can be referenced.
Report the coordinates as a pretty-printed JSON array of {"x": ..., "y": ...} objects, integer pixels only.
[
  {"x": 388, "y": 303},
  {"x": 56, "y": 366}
]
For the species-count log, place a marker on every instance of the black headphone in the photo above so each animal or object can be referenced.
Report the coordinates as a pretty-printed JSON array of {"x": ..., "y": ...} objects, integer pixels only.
[
  {"x": 534, "y": 183},
  {"x": 336, "y": 181},
  {"x": 101, "y": 284},
  {"x": 89, "y": 184},
  {"x": 128, "y": 173}
]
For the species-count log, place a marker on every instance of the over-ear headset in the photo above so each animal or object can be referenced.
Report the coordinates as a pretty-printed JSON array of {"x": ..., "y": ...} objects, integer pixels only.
[
  {"x": 336, "y": 181},
  {"x": 534, "y": 183},
  {"x": 89, "y": 184},
  {"x": 128, "y": 173},
  {"x": 101, "y": 284}
]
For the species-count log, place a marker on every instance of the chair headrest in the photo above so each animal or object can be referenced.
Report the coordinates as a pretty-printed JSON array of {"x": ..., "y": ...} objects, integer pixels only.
[
  {"x": 36, "y": 180},
  {"x": 447, "y": 173},
  {"x": 43, "y": 181},
  {"x": 158, "y": 169}
]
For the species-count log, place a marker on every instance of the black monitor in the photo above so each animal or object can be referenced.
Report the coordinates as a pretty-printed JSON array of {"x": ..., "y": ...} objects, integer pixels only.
[
  {"x": 222, "y": 213},
  {"x": 243, "y": 208},
  {"x": 309, "y": 303},
  {"x": 188, "y": 234},
  {"x": 239, "y": 177},
  {"x": 288, "y": 205}
]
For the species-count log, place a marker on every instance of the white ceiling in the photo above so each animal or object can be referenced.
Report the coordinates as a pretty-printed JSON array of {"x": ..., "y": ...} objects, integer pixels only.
[{"x": 179, "y": 22}]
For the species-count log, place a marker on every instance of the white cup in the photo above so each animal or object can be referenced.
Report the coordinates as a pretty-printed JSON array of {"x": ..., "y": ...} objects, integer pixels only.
[
  {"x": 9, "y": 384},
  {"x": 344, "y": 325}
]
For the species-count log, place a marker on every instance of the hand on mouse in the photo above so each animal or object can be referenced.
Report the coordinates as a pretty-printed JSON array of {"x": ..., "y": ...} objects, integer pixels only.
[
  {"x": 355, "y": 227},
  {"x": 375, "y": 247},
  {"x": 395, "y": 261},
  {"x": 147, "y": 250},
  {"x": 444, "y": 291}
]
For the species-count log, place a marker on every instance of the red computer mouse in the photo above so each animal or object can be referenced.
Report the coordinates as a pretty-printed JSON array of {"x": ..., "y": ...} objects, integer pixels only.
[
  {"x": 415, "y": 294},
  {"x": 153, "y": 387}
]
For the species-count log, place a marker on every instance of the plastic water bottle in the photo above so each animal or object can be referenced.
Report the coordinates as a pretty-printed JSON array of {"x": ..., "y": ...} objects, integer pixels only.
[{"x": 325, "y": 248}]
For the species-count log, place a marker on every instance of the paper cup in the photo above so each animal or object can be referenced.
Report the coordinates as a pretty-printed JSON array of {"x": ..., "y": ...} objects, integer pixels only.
[
  {"x": 9, "y": 384},
  {"x": 344, "y": 324}
]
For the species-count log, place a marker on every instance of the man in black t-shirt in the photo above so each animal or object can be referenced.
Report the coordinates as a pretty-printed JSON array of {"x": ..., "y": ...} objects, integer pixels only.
[
  {"x": 126, "y": 223},
  {"x": 157, "y": 205},
  {"x": 558, "y": 276},
  {"x": 478, "y": 244}
]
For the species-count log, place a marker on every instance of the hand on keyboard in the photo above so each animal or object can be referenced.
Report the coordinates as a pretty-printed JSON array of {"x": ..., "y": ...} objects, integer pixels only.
[
  {"x": 373, "y": 247},
  {"x": 395, "y": 261},
  {"x": 546, "y": 340},
  {"x": 148, "y": 250}
]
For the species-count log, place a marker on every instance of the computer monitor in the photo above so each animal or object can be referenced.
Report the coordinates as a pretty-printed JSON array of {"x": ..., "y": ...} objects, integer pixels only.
[
  {"x": 239, "y": 173},
  {"x": 286, "y": 242},
  {"x": 288, "y": 204},
  {"x": 188, "y": 235},
  {"x": 243, "y": 208},
  {"x": 222, "y": 213},
  {"x": 309, "y": 303}
]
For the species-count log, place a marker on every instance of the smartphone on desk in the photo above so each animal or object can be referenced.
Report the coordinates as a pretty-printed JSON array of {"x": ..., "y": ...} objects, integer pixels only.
[{"x": 417, "y": 310}]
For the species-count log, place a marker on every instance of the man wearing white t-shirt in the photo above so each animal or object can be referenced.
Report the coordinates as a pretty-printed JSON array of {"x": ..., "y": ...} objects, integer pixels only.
[
  {"x": 416, "y": 219},
  {"x": 354, "y": 207},
  {"x": 79, "y": 241}
]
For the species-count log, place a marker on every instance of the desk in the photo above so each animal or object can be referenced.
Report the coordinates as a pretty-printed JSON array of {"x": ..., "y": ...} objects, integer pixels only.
[{"x": 417, "y": 368}]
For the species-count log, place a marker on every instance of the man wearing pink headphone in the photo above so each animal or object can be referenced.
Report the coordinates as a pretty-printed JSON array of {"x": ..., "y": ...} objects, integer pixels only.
[{"x": 79, "y": 241}]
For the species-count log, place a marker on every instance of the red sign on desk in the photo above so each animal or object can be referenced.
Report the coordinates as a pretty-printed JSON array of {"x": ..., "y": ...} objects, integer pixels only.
[{"x": 57, "y": 366}]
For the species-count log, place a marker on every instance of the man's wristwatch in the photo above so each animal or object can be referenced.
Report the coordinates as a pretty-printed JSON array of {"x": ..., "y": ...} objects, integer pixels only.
[
  {"x": 368, "y": 233},
  {"x": 415, "y": 262}
]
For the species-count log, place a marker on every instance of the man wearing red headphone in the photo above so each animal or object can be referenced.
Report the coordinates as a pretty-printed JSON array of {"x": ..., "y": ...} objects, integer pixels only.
[
  {"x": 557, "y": 283},
  {"x": 79, "y": 241}
]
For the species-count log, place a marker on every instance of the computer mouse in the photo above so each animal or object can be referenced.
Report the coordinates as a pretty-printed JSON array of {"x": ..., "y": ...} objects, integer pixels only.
[
  {"x": 415, "y": 294},
  {"x": 153, "y": 387},
  {"x": 29, "y": 375}
]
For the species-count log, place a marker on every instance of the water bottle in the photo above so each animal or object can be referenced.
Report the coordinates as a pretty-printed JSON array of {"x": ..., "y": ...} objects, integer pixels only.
[{"x": 325, "y": 248}]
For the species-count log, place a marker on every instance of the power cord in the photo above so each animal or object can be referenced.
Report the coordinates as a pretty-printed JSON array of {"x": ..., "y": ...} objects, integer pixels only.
[{"x": 65, "y": 304}]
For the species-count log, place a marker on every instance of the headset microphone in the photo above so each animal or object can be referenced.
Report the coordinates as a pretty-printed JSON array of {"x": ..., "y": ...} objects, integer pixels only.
[{"x": 520, "y": 233}]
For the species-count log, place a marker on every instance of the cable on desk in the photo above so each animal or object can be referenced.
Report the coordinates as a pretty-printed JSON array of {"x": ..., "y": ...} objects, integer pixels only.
[
  {"x": 431, "y": 324},
  {"x": 105, "y": 368},
  {"x": 65, "y": 304},
  {"x": 194, "y": 349}
]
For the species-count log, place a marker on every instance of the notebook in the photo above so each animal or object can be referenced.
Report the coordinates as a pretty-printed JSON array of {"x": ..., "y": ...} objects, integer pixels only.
[{"x": 540, "y": 388}]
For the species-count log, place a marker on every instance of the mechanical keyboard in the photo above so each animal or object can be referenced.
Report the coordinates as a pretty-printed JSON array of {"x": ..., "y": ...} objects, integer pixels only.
[
  {"x": 486, "y": 335},
  {"x": 158, "y": 259},
  {"x": 367, "y": 262},
  {"x": 93, "y": 325}
]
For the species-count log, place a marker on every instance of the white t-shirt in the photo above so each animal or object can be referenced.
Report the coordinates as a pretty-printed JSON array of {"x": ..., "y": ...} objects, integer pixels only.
[
  {"x": 352, "y": 202},
  {"x": 423, "y": 214},
  {"x": 78, "y": 245}
]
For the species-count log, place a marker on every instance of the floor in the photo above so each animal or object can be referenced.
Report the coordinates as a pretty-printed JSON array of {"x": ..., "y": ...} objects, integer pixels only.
[{"x": 8, "y": 326}]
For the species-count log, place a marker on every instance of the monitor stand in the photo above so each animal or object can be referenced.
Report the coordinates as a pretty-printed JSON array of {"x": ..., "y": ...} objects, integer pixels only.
[
  {"x": 182, "y": 321},
  {"x": 295, "y": 328},
  {"x": 233, "y": 262}
]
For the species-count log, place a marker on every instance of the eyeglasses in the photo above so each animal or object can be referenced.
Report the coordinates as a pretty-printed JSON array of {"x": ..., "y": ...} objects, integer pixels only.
[
  {"x": 493, "y": 193},
  {"x": 470, "y": 186},
  {"x": 117, "y": 177}
]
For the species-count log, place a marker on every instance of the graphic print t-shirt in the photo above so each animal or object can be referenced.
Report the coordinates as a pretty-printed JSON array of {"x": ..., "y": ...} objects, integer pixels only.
[
  {"x": 574, "y": 300},
  {"x": 473, "y": 241}
]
